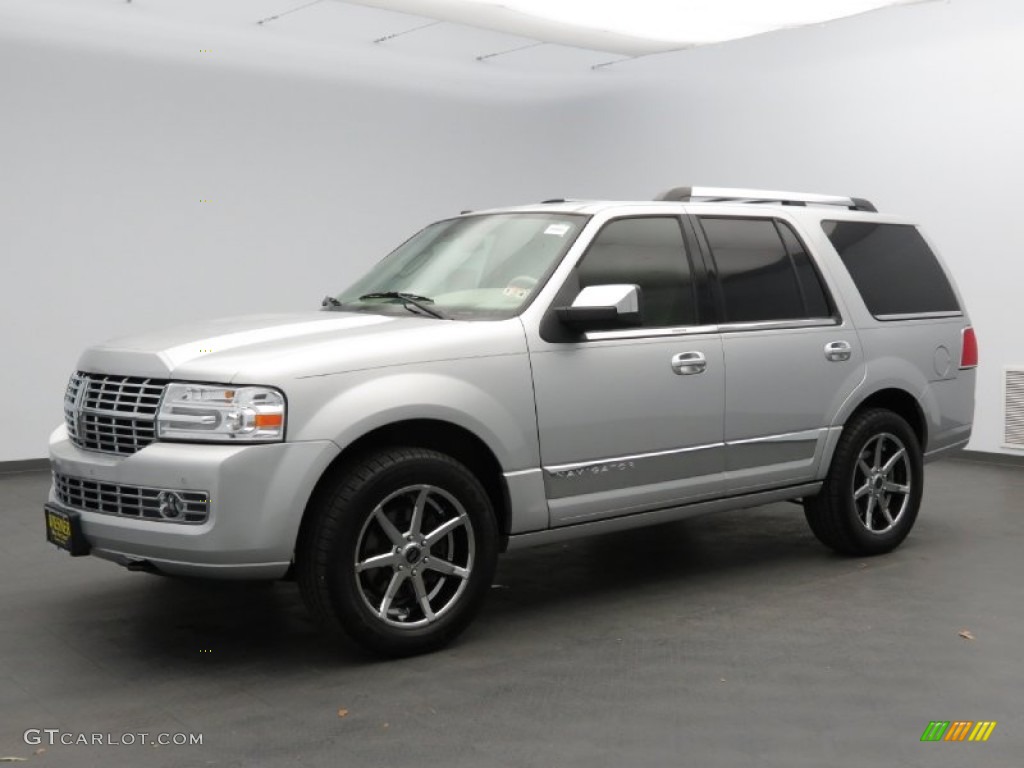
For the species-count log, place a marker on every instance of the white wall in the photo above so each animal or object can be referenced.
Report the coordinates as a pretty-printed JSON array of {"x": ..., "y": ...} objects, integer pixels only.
[
  {"x": 920, "y": 109},
  {"x": 317, "y": 166},
  {"x": 108, "y": 146}
]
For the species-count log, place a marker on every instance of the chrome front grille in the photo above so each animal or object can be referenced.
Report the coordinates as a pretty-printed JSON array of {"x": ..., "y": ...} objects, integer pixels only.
[
  {"x": 112, "y": 414},
  {"x": 70, "y": 406},
  {"x": 132, "y": 501}
]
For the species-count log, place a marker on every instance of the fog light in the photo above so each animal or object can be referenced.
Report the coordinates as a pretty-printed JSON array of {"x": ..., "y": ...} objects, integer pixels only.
[{"x": 170, "y": 505}]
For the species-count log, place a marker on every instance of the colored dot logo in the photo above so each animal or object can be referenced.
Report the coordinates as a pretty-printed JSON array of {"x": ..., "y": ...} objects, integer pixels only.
[
  {"x": 206, "y": 50},
  {"x": 206, "y": 650},
  {"x": 206, "y": 350},
  {"x": 205, "y": 200}
]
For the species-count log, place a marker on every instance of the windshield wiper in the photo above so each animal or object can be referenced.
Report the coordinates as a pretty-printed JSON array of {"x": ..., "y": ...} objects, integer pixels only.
[
  {"x": 408, "y": 300},
  {"x": 330, "y": 301}
]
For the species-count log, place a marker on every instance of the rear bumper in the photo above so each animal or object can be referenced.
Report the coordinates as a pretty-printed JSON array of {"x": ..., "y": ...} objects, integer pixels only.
[
  {"x": 951, "y": 405},
  {"x": 257, "y": 496},
  {"x": 949, "y": 448}
]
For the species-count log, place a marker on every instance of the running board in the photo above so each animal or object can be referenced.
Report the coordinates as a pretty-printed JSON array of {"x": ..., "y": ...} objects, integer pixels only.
[{"x": 658, "y": 516}]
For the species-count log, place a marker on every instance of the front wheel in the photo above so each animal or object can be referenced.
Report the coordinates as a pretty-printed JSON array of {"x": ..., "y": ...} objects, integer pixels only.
[
  {"x": 872, "y": 493},
  {"x": 400, "y": 552}
]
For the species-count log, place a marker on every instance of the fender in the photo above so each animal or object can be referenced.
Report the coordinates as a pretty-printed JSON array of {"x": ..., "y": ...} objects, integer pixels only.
[
  {"x": 887, "y": 373},
  {"x": 492, "y": 397}
]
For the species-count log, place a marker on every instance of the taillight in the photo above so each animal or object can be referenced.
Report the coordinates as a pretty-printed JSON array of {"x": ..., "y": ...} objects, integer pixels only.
[{"x": 969, "y": 349}]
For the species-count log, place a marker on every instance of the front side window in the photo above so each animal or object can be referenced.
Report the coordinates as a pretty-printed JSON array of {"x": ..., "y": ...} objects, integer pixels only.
[
  {"x": 472, "y": 267},
  {"x": 762, "y": 277},
  {"x": 648, "y": 252}
]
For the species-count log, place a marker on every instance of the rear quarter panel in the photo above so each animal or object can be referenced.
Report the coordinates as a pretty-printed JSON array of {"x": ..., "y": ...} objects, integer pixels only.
[{"x": 919, "y": 356}]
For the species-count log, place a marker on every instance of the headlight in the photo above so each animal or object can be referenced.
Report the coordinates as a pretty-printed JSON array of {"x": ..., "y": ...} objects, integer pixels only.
[{"x": 206, "y": 412}]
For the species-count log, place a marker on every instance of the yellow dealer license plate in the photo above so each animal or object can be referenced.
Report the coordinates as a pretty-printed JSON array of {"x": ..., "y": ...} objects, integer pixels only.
[{"x": 64, "y": 528}]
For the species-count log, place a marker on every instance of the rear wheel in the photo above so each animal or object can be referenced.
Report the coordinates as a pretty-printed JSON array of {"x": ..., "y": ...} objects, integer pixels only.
[
  {"x": 400, "y": 552},
  {"x": 870, "y": 498}
]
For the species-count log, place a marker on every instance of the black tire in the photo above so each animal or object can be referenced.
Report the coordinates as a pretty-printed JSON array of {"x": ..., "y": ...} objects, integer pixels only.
[
  {"x": 349, "y": 526},
  {"x": 864, "y": 509}
]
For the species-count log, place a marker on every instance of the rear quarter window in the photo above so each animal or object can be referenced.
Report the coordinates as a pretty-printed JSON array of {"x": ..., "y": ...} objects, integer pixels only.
[{"x": 893, "y": 268}]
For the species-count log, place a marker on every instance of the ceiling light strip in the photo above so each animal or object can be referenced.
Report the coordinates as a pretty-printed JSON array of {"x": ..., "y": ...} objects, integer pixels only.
[
  {"x": 393, "y": 35},
  {"x": 510, "y": 50},
  {"x": 604, "y": 64},
  {"x": 285, "y": 13}
]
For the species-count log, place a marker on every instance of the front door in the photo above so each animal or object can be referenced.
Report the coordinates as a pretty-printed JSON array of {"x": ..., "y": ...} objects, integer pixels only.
[{"x": 631, "y": 420}]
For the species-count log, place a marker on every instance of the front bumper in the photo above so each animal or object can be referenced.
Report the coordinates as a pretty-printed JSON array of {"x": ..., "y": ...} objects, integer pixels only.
[{"x": 257, "y": 496}]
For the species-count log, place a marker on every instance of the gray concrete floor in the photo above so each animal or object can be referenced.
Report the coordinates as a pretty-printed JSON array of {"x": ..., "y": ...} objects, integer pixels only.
[{"x": 732, "y": 640}]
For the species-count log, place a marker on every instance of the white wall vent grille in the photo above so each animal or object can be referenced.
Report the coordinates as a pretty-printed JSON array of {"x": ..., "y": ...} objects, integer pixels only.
[{"x": 1014, "y": 420}]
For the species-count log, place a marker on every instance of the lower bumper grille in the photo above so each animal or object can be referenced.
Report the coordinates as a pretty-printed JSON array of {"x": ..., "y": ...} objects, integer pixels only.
[{"x": 158, "y": 504}]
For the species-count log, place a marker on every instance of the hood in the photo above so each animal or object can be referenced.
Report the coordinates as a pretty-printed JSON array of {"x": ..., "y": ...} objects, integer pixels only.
[{"x": 272, "y": 348}]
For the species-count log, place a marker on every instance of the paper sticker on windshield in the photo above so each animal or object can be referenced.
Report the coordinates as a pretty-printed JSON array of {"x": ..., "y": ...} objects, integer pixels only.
[{"x": 557, "y": 229}]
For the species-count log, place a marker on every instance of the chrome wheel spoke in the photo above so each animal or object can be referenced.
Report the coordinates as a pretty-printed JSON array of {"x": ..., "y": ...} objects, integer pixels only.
[
  {"x": 888, "y": 466},
  {"x": 388, "y": 527},
  {"x": 896, "y": 488},
  {"x": 396, "y": 583},
  {"x": 417, "y": 511},
  {"x": 387, "y": 560},
  {"x": 869, "y": 513},
  {"x": 883, "y": 505},
  {"x": 879, "y": 443},
  {"x": 443, "y": 566},
  {"x": 863, "y": 465},
  {"x": 443, "y": 530},
  {"x": 421, "y": 595},
  {"x": 862, "y": 491}
]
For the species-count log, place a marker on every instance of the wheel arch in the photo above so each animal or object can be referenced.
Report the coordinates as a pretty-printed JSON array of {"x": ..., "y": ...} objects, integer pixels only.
[
  {"x": 903, "y": 404},
  {"x": 834, "y": 514},
  {"x": 433, "y": 434},
  {"x": 893, "y": 398}
]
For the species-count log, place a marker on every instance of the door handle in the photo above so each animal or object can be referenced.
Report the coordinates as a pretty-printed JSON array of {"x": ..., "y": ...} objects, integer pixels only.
[
  {"x": 838, "y": 351},
  {"x": 686, "y": 363}
]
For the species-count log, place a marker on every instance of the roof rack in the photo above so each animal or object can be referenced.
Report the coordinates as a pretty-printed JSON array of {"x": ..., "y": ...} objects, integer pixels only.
[{"x": 725, "y": 195}]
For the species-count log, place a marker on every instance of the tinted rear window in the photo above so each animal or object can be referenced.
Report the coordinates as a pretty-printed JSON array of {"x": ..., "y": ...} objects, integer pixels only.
[
  {"x": 812, "y": 289},
  {"x": 757, "y": 275},
  {"x": 892, "y": 267}
]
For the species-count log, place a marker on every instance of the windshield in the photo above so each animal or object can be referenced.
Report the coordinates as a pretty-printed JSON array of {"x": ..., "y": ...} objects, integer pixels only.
[{"x": 472, "y": 267}]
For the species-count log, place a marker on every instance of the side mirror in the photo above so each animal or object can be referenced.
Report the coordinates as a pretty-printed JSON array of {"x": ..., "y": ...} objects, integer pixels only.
[{"x": 599, "y": 307}]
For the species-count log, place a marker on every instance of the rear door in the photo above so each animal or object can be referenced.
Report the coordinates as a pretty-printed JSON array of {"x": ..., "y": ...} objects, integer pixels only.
[{"x": 791, "y": 360}]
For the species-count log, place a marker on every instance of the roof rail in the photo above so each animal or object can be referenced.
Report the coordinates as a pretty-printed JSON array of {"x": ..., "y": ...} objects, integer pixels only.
[{"x": 726, "y": 195}]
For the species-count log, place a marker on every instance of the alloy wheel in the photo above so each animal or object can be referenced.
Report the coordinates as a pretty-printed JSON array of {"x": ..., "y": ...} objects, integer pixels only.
[
  {"x": 414, "y": 556},
  {"x": 882, "y": 483}
]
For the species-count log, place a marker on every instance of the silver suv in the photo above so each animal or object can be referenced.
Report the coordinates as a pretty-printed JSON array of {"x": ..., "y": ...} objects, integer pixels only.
[{"x": 521, "y": 376}]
